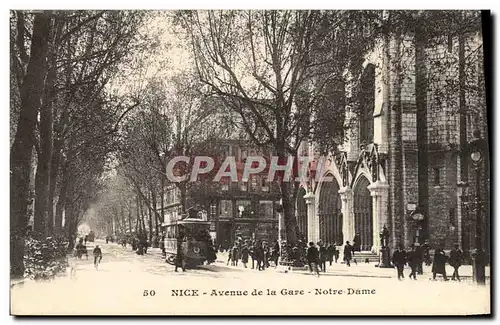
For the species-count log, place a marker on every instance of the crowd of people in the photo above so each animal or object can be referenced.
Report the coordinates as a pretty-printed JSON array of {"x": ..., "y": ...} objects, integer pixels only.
[
  {"x": 317, "y": 255},
  {"x": 261, "y": 253},
  {"x": 418, "y": 254}
]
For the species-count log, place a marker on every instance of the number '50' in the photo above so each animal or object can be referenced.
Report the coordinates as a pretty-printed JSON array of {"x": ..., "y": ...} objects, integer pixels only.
[{"x": 147, "y": 293}]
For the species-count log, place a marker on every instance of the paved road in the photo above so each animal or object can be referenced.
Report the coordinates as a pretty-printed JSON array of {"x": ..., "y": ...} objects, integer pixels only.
[{"x": 124, "y": 283}]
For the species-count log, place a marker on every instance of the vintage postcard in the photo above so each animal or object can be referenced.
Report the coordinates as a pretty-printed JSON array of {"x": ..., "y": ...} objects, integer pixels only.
[{"x": 258, "y": 162}]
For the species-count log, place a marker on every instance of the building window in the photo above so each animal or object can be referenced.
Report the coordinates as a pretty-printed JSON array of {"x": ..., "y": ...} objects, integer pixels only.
[
  {"x": 266, "y": 209},
  {"x": 254, "y": 183},
  {"x": 437, "y": 176},
  {"x": 264, "y": 184},
  {"x": 213, "y": 210},
  {"x": 244, "y": 208},
  {"x": 226, "y": 208},
  {"x": 367, "y": 104}
]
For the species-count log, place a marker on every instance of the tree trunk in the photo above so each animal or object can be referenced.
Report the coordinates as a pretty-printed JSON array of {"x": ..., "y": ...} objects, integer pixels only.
[
  {"x": 290, "y": 221},
  {"x": 162, "y": 200},
  {"x": 122, "y": 219},
  {"x": 57, "y": 159},
  {"x": 130, "y": 216},
  {"x": 42, "y": 224},
  {"x": 143, "y": 217},
  {"x": 150, "y": 221},
  {"x": 422, "y": 141},
  {"x": 61, "y": 201},
  {"x": 68, "y": 219},
  {"x": 291, "y": 226},
  {"x": 21, "y": 150},
  {"x": 138, "y": 223},
  {"x": 153, "y": 199}
]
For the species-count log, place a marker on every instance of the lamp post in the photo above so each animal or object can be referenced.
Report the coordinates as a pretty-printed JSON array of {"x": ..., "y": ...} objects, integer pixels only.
[
  {"x": 280, "y": 222},
  {"x": 476, "y": 154}
]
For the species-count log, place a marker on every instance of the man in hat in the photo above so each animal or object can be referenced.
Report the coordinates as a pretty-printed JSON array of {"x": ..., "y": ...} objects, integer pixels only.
[
  {"x": 413, "y": 261},
  {"x": 399, "y": 260},
  {"x": 419, "y": 252},
  {"x": 245, "y": 252},
  {"x": 313, "y": 258},
  {"x": 323, "y": 256},
  {"x": 456, "y": 256},
  {"x": 438, "y": 266},
  {"x": 426, "y": 248},
  {"x": 348, "y": 253}
]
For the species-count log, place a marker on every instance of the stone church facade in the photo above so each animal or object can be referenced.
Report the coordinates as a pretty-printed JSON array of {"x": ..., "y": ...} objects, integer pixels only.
[{"x": 355, "y": 195}]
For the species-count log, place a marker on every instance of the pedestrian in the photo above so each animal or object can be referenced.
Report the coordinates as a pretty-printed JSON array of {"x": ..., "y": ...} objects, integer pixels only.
[
  {"x": 322, "y": 256},
  {"x": 399, "y": 260},
  {"x": 253, "y": 254},
  {"x": 330, "y": 252},
  {"x": 244, "y": 255},
  {"x": 336, "y": 252},
  {"x": 312, "y": 258},
  {"x": 267, "y": 254},
  {"x": 260, "y": 255},
  {"x": 162, "y": 246},
  {"x": 276, "y": 253},
  {"x": 456, "y": 256},
  {"x": 419, "y": 252},
  {"x": 80, "y": 249},
  {"x": 356, "y": 243},
  {"x": 180, "y": 260},
  {"x": 426, "y": 249},
  {"x": 347, "y": 253},
  {"x": 234, "y": 255},
  {"x": 439, "y": 264},
  {"x": 86, "y": 238},
  {"x": 414, "y": 260},
  {"x": 229, "y": 259},
  {"x": 97, "y": 256}
]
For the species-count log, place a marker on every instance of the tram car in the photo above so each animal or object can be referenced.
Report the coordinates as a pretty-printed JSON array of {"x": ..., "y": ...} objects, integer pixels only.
[{"x": 193, "y": 232}]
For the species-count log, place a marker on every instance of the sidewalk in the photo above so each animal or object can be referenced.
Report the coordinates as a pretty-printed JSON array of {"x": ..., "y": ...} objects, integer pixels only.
[{"x": 368, "y": 270}]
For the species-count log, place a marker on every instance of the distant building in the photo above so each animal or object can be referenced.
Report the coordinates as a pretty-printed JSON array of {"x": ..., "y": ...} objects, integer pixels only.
[{"x": 243, "y": 209}]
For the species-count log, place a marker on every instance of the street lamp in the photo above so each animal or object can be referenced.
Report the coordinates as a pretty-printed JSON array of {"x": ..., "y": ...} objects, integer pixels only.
[{"x": 476, "y": 154}]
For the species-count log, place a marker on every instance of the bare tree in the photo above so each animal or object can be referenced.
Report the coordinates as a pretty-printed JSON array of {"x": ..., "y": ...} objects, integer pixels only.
[{"x": 274, "y": 71}]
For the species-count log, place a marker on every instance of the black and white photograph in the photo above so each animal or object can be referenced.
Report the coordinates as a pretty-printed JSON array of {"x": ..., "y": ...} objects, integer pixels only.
[{"x": 250, "y": 162}]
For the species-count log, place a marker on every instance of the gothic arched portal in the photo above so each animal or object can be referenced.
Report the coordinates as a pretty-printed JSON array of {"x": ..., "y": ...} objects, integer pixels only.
[
  {"x": 363, "y": 213},
  {"x": 329, "y": 212},
  {"x": 302, "y": 212}
]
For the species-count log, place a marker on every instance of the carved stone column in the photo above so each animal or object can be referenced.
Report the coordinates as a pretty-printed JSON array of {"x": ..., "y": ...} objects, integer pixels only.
[
  {"x": 347, "y": 197},
  {"x": 380, "y": 196},
  {"x": 312, "y": 218}
]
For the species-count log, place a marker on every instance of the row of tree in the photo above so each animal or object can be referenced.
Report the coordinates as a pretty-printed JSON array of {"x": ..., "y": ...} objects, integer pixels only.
[{"x": 64, "y": 119}]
